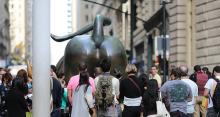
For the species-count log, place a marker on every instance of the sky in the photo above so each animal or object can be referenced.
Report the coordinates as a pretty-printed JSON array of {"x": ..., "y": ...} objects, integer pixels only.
[{"x": 58, "y": 27}]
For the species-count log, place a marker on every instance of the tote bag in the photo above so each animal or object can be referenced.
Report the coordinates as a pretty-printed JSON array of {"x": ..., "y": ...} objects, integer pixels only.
[{"x": 161, "y": 109}]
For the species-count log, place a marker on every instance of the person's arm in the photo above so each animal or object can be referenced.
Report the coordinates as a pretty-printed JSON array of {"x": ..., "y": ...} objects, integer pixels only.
[
  {"x": 69, "y": 93},
  {"x": 207, "y": 87},
  {"x": 60, "y": 92},
  {"x": 94, "y": 112},
  {"x": 206, "y": 92},
  {"x": 92, "y": 83},
  {"x": 117, "y": 92}
]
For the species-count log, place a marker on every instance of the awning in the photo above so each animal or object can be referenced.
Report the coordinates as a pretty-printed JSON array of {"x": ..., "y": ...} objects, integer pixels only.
[{"x": 155, "y": 20}]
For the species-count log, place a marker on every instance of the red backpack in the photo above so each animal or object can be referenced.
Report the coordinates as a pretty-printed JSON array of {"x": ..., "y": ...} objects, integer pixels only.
[{"x": 201, "y": 78}]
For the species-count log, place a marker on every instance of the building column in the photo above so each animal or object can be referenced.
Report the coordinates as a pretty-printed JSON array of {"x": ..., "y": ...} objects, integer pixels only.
[{"x": 41, "y": 58}]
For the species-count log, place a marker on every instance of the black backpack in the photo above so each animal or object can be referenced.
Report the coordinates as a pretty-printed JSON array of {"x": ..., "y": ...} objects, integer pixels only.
[{"x": 216, "y": 97}]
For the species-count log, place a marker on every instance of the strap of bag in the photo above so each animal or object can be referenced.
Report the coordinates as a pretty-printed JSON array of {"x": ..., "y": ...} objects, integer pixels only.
[
  {"x": 159, "y": 96},
  {"x": 89, "y": 109},
  {"x": 136, "y": 85}
]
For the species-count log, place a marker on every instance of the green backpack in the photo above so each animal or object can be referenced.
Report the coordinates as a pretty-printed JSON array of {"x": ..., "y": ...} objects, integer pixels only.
[{"x": 103, "y": 95}]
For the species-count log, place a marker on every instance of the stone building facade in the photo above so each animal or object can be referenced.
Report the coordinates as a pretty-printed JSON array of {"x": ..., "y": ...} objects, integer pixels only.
[{"x": 192, "y": 26}]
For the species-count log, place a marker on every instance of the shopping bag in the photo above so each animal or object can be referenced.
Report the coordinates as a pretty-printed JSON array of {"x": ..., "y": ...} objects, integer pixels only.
[
  {"x": 161, "y": 108},
  {"x": 28, "y": 114}
]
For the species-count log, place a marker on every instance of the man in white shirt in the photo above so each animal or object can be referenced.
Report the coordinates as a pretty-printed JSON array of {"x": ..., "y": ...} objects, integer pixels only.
[
  {"x": 194, "y": 89},
  {"x": 111, "y": 110},
  {"x": 154, "y": 75},
  {"x": 209, "y": 91}
]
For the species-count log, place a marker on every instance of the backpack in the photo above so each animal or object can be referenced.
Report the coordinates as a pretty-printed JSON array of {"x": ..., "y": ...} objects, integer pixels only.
[
  {"x": 201, "y": 79},
  {"x": 216, "y": 96},
  {"x": 103, "y": 95}
]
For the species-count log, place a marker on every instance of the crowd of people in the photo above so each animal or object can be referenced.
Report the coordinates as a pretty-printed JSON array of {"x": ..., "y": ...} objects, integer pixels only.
[{"x": 117, "y": 94}]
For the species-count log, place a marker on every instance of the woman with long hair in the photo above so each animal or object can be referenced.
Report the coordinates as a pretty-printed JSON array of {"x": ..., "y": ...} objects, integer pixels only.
[
  {"x": 15, "y": 101},
  {"x": 83, "y": 99},
  {"x": 4, "y": 88},
  {"x": 149, "y": 98}
]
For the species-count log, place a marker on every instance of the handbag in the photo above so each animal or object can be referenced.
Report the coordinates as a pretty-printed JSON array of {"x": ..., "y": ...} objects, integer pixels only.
[{"x": 161, "y": 108}]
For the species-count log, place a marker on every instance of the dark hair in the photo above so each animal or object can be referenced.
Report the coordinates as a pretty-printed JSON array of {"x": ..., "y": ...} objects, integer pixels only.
[
  {"x": 83, "y": 79},
  {"x": 54, "y": 68},
  {"x": 154, "y": 66},
  {"x": 82, "y": 66},
  {"x": 22, "y": 74},
  {"x": 206, "y": 70},
  {"x": 176, "y": 73},
  {"x": 197, "y": 68},
  {"x": 117, "y": 73},
  {"x": 150, "y": 95},
  {"x": 105, "y": 64},
  {"x": 216, "y": 69},
  {"x": 60, "y": 75},
  {"x": 7, "y": 76},
  {"x": 19, "y": 84},
  {"x": 144, "y": 78}
]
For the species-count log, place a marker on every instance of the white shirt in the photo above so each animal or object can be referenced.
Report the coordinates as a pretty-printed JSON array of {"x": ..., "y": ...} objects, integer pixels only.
[
  {"x": 115, "y": 90},
  {"x": 211, "y": 83},
  {"x": 194, "y": 89}
]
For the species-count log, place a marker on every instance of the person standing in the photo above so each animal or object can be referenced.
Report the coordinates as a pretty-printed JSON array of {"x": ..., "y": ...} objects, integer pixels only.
[
  {"x": 200, "y": 78},
  {"x": 107, "y": 91},
  {"x": 15, "y": 101},
  {"x": 150, "y": 97},
  {"x": 4, "y": 88},
  {"x": 131, "y": 91},
  {"x": 194, "y": 89},
  {"x": 56, "y": 91},
  {"x": 210, "y": 88},
  {"x": 83, "y": 99},
  {"x": 177, "y": 93},
  {"x": 154, "y": 75},
  {"x": 74, "y": 82}
]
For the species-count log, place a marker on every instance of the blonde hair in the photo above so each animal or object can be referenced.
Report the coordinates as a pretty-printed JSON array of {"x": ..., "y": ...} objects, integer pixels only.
[{"x": 131, "y": 68}]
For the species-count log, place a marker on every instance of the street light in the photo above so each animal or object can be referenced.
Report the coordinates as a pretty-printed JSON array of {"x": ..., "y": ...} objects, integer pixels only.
[{"x": 163, "y": 3}]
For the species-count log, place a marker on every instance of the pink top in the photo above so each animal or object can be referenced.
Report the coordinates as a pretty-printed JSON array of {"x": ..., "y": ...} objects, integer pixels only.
[{"x": 74, "y": 81}]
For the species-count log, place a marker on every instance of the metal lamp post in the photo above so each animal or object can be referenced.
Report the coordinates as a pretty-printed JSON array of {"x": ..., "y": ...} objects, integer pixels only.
[{"x": 163, "y": 3}]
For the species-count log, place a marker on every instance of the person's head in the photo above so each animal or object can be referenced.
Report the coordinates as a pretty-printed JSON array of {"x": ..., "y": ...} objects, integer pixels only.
[
  {"x": 19, "y": 84},
  {"x": 98, "y": 71},
  {"x": 22, "y": 74},
  {"x": 6, "y": 78},
  {"x": 175, "y": 74},
  {"x": 61, "y": 76},
  {"x": 205, "y": 69},
  {"x": 83, "y": 78},
  {"x": 53, "y": 68},
  {"x": 154, "y": 70},
  {"x": 144, "y": 78},
  {"x": 216, "y": 72},
  {"x": 197, "y": 68},
  {"x": 152, "y": 85},
  {"x": 105, "y": 64},
  {"x": 117, "y": 73},
  {"x": 82, "y": 67},
  {"x": 183, "y": 70},
  {"x": 131, "y": 69}
]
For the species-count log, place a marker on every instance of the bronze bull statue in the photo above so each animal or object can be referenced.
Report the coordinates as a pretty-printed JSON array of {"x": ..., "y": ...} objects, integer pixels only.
[{"x": 91, "y": 49}]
